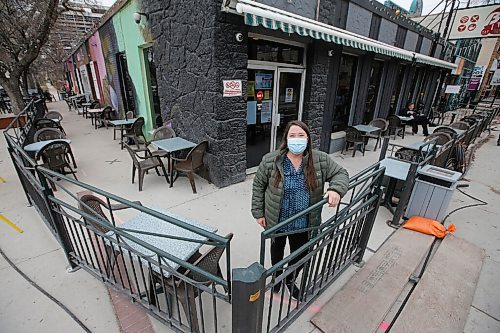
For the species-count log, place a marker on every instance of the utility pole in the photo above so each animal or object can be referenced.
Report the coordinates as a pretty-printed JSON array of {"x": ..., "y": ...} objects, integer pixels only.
[{"x": 447, "y": 26}]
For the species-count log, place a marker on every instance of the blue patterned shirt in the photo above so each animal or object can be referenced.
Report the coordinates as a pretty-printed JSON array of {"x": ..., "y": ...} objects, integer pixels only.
[{"x": 296, "y": 196}]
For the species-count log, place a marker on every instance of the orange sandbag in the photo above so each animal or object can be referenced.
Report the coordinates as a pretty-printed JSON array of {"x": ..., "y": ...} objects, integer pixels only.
[{"x": 428, "y": 226}]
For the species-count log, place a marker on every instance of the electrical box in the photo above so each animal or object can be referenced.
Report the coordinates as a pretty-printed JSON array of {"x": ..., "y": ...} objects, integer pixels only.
[{"x": 432, "y": 192}]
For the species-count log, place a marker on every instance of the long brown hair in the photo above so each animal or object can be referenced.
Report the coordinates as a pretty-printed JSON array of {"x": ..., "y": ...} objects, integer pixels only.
[{"x": 309, "y": 170}]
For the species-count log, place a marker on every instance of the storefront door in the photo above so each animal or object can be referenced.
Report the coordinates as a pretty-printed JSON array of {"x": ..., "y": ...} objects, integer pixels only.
[
  {"x": 274, "y": 97},
  {"x": 289, "y": 100}
]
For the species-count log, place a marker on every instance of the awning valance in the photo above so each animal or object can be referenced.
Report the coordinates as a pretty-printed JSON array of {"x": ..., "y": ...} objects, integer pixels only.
[{"x": 276, "y": 19}]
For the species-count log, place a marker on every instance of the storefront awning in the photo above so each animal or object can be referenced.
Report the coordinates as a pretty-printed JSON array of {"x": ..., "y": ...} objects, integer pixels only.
[{"x": 273, "y": 18}]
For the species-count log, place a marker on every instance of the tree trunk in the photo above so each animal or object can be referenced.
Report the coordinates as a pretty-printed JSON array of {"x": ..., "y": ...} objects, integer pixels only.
[{"x": 13, "y": 90}]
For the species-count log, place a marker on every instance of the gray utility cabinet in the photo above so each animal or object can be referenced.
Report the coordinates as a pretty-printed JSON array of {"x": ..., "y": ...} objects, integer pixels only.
[{"x": 432, "y": 192}]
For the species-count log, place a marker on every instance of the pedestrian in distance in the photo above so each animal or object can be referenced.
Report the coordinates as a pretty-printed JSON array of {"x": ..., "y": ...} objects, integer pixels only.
[
  {"x": 288, "y": 181},
  {"x": 418, "y": 119}
]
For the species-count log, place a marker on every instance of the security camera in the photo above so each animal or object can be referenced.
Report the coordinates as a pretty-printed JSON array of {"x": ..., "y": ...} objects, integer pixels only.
[
  {"x": 239, "y": 37},
  {"x": 137, "y": 18}
]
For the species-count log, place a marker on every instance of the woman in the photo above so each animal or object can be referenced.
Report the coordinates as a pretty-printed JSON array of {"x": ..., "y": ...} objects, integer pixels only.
[{"x": 290, "y": 180}]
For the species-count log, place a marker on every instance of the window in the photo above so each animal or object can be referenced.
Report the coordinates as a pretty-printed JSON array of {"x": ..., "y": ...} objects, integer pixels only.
[
  {"x": 152, "y": 87},
  {"x": 126, "y": 85},
  {"x": 396, "y": 91},
  {"x": 264, "y": 50},
  {"x": 373, "y": 88},
  {"x": 345, "y": 88}
]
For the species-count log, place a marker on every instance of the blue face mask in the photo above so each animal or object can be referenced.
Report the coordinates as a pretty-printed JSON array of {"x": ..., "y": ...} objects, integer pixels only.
[{"x": 297, "y": 145}]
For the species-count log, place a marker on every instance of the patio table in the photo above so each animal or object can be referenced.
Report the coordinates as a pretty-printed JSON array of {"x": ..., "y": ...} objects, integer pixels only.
[
  {"x": 405, "y": 119},
  {"x": 171, "y": 146},
  {"x": 366, "y": 128},
  {"x": 94, "y": 113},
  {"x": 122, "y": 123},
  {"x": 85, "y": 107},
  {"x": 181, "y": 249},
  {"x": 37, "y": 146}
]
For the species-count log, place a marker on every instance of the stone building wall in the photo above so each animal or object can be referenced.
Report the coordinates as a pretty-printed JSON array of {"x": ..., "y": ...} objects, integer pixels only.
[{"x": 195, "y": 49}]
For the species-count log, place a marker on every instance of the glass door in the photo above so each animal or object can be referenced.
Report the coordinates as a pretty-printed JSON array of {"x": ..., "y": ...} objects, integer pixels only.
[
  {"x": 260, "y": 95},
  {"x": 288, "y": 100}
]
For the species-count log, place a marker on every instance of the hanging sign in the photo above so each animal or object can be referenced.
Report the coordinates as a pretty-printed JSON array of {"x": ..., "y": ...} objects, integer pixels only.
[
  {"x": 495, "y": 79},
  {"x": 231, "y": 88},
  {"x": 476, "y": 22},
  {"x": 476, "y": 78},
  {"x": 452, "y": 89}
]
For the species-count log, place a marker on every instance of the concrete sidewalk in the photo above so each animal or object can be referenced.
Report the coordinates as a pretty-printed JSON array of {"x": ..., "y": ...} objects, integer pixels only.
[{"x": 101, "y": 163}]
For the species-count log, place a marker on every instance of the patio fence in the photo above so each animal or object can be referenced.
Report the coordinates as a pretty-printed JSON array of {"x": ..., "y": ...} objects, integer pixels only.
[{"x": 184, "y": 296}]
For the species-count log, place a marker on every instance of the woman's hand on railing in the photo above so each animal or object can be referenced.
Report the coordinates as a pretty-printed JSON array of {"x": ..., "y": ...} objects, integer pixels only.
[{"x": 333, "y": 198}]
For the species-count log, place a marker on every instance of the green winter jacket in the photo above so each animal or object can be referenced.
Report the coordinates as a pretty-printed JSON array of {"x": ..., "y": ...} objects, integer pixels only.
[{"x": 266, "y": 198}]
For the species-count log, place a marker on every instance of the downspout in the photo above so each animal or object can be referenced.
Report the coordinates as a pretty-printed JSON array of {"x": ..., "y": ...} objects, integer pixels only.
[{"x": 317, "y": 10}]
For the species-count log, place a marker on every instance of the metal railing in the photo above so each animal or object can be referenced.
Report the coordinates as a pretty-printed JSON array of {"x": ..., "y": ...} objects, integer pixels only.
[
  {"x": 334, "y": 245},
  {"x": 185, "y": 295}
]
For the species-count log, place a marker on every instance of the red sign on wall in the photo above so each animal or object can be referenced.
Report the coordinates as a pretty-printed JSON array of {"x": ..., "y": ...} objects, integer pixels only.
[{"x": 260, "y": 95}]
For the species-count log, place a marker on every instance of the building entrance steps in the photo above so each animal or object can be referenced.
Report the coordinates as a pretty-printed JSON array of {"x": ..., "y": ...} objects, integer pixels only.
[
  {"x": 363, "y": 303},
  {"x": 443, "y": 297}
]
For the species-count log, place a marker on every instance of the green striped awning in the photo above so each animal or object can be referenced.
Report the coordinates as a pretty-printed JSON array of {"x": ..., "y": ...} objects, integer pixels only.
[{"x": 257, "y": 14}]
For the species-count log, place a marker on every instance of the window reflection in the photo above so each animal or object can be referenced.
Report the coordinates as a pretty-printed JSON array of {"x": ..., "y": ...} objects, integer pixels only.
[
  {"x": 343, "y": 101},
  {"x": 373, "y": 88}
]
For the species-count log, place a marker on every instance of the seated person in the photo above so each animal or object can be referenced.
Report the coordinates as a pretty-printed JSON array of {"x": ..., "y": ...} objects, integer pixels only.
[{"x": 418, "y": 119}]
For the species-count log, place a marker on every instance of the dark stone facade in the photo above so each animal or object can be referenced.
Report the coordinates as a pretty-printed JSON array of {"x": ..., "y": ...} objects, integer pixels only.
[{"x": 195, "y": 49}]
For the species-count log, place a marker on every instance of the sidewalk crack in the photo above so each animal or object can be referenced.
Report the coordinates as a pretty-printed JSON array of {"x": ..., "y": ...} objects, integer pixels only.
[{"x": 487, "y": 314}]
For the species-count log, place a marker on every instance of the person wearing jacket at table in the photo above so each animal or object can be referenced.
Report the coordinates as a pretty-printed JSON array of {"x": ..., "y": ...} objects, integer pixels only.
[
  {"x": 288, "y": 181},
  {"x": 418, "y": 119}
]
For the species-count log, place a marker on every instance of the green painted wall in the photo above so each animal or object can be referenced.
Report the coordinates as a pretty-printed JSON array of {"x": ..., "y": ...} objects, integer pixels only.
[{"x": 131, "y": 39}]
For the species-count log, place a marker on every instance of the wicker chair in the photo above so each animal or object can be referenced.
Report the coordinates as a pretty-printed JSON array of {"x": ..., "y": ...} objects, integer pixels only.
[
  {"x": 48, "y": 133},
  {"x": 185, "y": 292},
  {"x": 461, "y": 125},
  {"x": 447, "y": 130},
  {"x": 441, "y": 138},
  {"x": 44, "y": 123},
  {"x": 354, "y": 137},
  {"x": 395, "y": 126},
  {"x": 380, "y": 123},
  {"x": 55, "y": 156},
  {"x": 408, "y": 154},
  {"x": 192, "y": 163},
  {"x": 136, "y": 135},
  {"x": 143, "y": 164},
  {"x": 92, "y": 205},
  {"x": 104, "y": 117},
  {"x": 54, "y": 115}
]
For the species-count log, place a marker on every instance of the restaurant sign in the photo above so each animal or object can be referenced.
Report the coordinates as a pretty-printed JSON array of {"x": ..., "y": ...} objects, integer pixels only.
[{"x": 477, "y": 22}]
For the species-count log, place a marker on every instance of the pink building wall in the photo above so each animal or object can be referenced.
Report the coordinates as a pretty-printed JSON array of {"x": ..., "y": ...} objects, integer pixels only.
[{"x": 95, "y": 50}]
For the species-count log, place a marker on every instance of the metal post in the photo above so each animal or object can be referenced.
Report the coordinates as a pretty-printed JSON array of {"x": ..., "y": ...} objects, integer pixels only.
[
  {"x": 369, "y": 222},
  {"x": 383, "y": 150},
  {"x": 248, "y": 298},
  {"x": 405, "y": 196},
  {"x": 57, "y": 222}
]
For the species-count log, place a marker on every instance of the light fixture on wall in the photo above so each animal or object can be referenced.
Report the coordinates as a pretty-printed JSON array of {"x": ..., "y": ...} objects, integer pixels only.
[{"x": 138, "y": 16}]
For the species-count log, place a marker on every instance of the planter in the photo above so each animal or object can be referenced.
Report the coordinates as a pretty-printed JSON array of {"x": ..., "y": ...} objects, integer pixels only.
[
  {"x": 337, "y": 141},
  {"x": 7, "y": 118}
]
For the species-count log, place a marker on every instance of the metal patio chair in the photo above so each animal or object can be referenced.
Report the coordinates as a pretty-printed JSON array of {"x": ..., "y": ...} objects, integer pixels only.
[
  {"x": 185, "y": 292},
  {"x": 354, "y": 137},
  {"x": 461, "y": 125},
  {"x": 192, "y": 163},
  {"x": 143, "y": 164}
]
